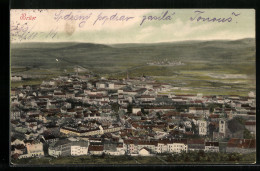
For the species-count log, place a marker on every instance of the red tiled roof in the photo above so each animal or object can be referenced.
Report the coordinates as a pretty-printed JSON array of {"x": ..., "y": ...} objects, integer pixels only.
[
  {"x": 250, "y": 123},
  {"x": 59, "y": 93},
  {"x": 120, "y": 146},
  {"x": 162, "y": 107},
  {"x": 128, "y": 141},
  {"x": 20, "y": 146},
  {"x": 216, "y": 124},
  {"x": 170, "y": 141},
  {"x": 242, "y": 143},
  {"x": 15, "y": 156},
  {"x": 196, "y": 141},
  {"x": 211, "y": 144},
  {"x": 214, "y": 116},
  {"x": 96, "y": 148},
  {"x": 189, "y": 133},
  {"x": 187, "y": 115}
]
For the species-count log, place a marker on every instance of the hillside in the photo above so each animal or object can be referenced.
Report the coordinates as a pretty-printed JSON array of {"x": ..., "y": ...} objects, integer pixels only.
[
  {"x": 128, "y": 55},
  {"x": 205, "y": 64}
]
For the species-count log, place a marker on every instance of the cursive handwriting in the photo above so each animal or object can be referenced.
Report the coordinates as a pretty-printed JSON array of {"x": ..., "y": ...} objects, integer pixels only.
[
  {"x": 69, "y": 16},
  {"x": 163, "y": 16},
  {"x": 24, "y": 32},
  {"x": 198, "y": 17},
  {"x": 52, "y": 33},
  {"x": 233, "y": 13},
  {"x": 114, "y": 17}
]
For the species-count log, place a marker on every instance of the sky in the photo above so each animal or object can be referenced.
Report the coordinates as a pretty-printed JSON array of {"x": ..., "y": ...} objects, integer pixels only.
[{"x": 135, "y": 26}]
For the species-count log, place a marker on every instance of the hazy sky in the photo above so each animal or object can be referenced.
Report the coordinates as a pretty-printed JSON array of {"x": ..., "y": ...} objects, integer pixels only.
[{"x": 100, "y": 26}]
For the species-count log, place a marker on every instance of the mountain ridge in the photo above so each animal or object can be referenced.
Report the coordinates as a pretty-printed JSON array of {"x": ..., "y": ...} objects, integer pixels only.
[{"x": 40, "y": 44}]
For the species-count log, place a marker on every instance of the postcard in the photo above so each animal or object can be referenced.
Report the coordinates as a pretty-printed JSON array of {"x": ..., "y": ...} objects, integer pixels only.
[{"x": 132, "y": 86}]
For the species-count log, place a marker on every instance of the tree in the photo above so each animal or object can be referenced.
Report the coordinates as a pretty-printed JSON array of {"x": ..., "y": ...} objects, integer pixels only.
[
  {"x": 158, "y": 115},
  {"x": 212, "y": 128},
  {"x": 103, "y": 155},
  {"x": 129, "y": 108},
  {"x": 115, "y": 107},
  {"x": 235, "y": 125},
  {"x": 143, "y": 111},
  {"x": 213, "y": 106},
  {"x": 180, "y": 108},
  {"x": 247, "y": 134},
  {"x": 194, "y": 128},
  {"x": 234, "y": 157},
  {"x": 240, "y": 120}
]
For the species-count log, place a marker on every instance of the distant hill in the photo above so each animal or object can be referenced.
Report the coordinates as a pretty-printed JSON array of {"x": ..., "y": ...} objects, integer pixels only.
[
  {"x": 54, "y": 45},
  {"x": 114, "y": 58}
]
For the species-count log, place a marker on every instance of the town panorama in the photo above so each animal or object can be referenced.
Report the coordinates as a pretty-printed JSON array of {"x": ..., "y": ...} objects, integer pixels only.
[
  {"x": 80, "y": 115},
  {"x": 132, "y": 87}
]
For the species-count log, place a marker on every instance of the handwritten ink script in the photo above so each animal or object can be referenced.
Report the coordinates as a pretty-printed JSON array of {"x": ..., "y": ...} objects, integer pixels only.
[
  {"x": 113, "y": 17},
  {"x": 200, "y": 17},
  {"x": 69, "y": 16},
  {"x": 25, "y": 32},
  {"x": 101, "y": 17},
  {"x": 164, "y": 16},
  {"x": 25, "y": 29}
]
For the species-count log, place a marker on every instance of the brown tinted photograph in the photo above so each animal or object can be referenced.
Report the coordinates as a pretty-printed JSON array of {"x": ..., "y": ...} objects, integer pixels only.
[{"x": 132, "y": 86}]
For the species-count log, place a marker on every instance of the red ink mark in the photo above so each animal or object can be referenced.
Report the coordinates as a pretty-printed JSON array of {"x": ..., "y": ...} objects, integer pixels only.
[{"x": 24, "y": 17}]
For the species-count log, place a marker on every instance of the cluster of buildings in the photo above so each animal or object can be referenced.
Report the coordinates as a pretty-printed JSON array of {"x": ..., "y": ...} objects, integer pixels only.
[
  {"x": 166, "y": 62},
  {"x": 75, "y": 115}
]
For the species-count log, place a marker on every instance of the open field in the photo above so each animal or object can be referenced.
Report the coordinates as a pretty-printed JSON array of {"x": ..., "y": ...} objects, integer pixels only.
[{"x": 36, "y": 75}]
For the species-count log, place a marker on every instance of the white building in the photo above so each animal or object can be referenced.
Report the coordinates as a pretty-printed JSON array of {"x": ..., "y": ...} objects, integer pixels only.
[
  {"x": 16, "y": 78},
  {"x": 136, "y": 110},
  {"x": 203, "y": 127},
  {"x": 111, "y": 86},
  {"x": 78, "y": 150},
  {"x": 17, "y": 142},
  {"x": 222, "y": 127},
  {"x": 66, "y": 147},
  {"x": 34, "y": 149},
  {"x": 144, "y": 152},
  {"x": 100, "y": 85},
  {"x": 178, "y": 146},
  {"x": 211, "y": 147}
]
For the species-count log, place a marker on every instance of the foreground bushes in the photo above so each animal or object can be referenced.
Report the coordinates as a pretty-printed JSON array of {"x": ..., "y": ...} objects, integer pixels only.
[
  {"x": 201, "y": 156},
  {"x": 181, "y": 158}
]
